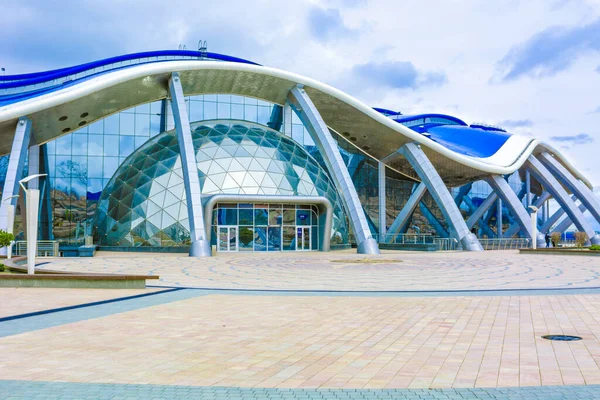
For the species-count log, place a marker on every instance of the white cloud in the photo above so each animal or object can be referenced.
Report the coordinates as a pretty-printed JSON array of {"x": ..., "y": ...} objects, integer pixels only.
[{"x": 461, "y": 40}]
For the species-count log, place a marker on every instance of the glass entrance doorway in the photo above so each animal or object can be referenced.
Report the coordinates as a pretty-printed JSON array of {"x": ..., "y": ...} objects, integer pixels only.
[
  {"x": 228, "y": 238},
  {"x": 303, "y": 238},
  {"x": 265, "y": 227}
]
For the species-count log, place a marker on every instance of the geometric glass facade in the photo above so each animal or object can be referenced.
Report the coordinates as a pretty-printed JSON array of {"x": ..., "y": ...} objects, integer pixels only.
[{"x": 144, "y": 203}]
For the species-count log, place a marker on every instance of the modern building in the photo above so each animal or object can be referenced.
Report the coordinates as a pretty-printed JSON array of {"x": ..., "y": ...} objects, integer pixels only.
[{"x": 188, "y": 150}]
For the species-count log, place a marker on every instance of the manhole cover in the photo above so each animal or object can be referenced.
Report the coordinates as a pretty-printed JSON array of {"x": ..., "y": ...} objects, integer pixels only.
[{"x": 562, "y": 338}]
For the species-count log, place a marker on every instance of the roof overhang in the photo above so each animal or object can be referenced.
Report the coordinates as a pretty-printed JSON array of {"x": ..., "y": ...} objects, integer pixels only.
[{"x": 377, "y": 135}]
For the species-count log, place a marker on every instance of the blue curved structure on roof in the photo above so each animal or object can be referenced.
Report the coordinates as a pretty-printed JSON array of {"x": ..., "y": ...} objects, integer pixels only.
[
  {"x": 63, "y": 76},
  {"x": 453, "y": 133}
]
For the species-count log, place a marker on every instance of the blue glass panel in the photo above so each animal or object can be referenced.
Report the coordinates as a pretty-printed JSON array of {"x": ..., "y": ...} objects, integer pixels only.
[
  {"x": 63, "y": 144},
  {"x": 303, "y": 217},
  {"x": 237, "y": 111},
  {"x": 210, "y": 110},
  {"x": 95, "y": 167},
  {"x": 154, "y": 125},
  {"x": 110, "y": 166},
  {"x": 96, "y": 127},
  {"x": 111, "y": 125},
  {"x": 156, "y": 107},
  {"x": 111, "y": 145},
  {"x": 142, "y": 125},
  {"x": 127, "y": 124},
  {"x": 143, "y": 109},
  {"x": 126, "y": 145},
  {"x": 224, "y": 111},
  {"x": 196, "y": 111},
  {"x": 95, "y": 145},
  {"x": 80, "y": 144}
]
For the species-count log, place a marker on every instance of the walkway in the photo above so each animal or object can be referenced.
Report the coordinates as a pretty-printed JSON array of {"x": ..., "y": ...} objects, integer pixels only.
[
  {"x": 328, "y": 271},
  {"x": 191, "y": 343}
]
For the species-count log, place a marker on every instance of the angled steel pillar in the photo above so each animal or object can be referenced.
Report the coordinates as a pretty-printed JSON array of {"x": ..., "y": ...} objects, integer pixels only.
[
  {"x": 546, "y": 178},
  {"x": 404, "y": 217},
  {"x": 566, "y": 222},
  {"x": 484, "y": 224},
  {"x": 499, "y": 218},
  {"x": 549, "y": 222},
  {"x": 515, "y": 227},
  {"x": 579, "y": 189},
  {"x": 426, "y": 171},
  {"x": 462, "y": 192},
  {"x": 502, "y": 188},
  {"x": 527, "y": 188},
  {"x": 200, "y": 245},
  {"x": 382, "y": 202},
  {"x": 309, "y": 115},
  {"x": 14, "y": 172},
  {"x": 439, "y": 228},
  {"x": 276, "y": 119},
  {"x": 480, "y": 211}
]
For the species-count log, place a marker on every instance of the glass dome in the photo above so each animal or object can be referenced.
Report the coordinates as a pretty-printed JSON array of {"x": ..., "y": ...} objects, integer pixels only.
[{"x": 144, "y": 202}]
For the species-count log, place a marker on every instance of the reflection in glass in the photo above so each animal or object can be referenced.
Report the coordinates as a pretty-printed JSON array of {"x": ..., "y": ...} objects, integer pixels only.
[
  {"x": 288, "y": 238},
  {"x": 246, "y": 238},
  {"x": 274, "y": 238},
  {"x": 260, "y": 239},
  {"x": 261, "y": 216}
]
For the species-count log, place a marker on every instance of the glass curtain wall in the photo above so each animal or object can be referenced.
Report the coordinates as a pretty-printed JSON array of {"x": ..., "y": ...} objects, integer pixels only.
[{"x": 265, "y": 227}]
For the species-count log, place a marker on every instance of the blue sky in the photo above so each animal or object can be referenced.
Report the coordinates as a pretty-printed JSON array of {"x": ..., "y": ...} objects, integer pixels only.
[{"x": 530, "y": 66}]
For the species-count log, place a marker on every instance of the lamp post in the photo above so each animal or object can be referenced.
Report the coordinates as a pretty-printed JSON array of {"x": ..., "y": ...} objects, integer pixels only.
[
  {"x": 534, "y": 211},
  {"x": 10, "y": 221},
  {"x": 32, "y": 206}
]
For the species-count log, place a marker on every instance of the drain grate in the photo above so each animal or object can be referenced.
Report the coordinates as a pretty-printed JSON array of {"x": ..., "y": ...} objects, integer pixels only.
[{"x": 562, "y": 338}]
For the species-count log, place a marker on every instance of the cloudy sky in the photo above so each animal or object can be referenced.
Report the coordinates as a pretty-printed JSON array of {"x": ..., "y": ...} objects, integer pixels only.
[{"x": 531, "y": 66}]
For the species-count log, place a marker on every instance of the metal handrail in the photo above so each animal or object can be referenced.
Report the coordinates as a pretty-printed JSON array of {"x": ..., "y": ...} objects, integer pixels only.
[
  {"x": 504, "y": 243},
  {"x": 45, "y": 248}
]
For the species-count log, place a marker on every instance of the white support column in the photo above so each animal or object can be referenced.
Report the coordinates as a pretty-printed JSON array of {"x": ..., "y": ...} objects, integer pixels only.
[
  {"x": 382, "y": 202},
  {"x": 312, "y": 120},
  {"x": 407, "y": 211},
  {"x": 440, "y": 193},
  {"x": 546, "y": 178},
  {"x": 14, "y": 171},
  {"x": 200, "y": 246},
  {"x": 579, "y": 189},
  {"x": 33, "y": 166},
  {"x": 518, "y": 211}
]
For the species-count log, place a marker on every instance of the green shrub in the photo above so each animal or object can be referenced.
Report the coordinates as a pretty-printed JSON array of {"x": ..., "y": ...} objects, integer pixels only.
[
  {"x": 6, "y": 238},
  {"x": 595, "y": 247}
]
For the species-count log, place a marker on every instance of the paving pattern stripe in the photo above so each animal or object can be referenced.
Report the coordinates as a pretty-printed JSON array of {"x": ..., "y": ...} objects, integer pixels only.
[
  {"x": 392, "y": 293},
  {"x": 95, "y": 303},
  {"x": 101, "y": 391},
  {"x": 71, "y": 315}
]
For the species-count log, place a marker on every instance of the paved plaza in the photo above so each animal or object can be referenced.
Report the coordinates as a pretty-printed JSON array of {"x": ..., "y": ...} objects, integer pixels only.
[
  {"x": 337, "y": 270},
  {"x": 440, "y": 325}
]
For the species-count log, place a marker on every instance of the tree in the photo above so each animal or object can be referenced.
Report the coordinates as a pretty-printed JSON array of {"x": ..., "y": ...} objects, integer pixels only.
[
  {"x": 6, "y": 238},
  {"x": 580, "y": 238}
]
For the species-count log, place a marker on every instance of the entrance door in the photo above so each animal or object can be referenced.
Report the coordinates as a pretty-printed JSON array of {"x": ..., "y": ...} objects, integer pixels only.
[
  {"x": 228, "y": 238},
  {"x": 303, "y": 238}
]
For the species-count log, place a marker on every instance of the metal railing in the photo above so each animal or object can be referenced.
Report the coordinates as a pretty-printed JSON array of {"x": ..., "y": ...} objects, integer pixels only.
[
  {"x": 446, "y": 244},
  {"x": 443, "y": 244},
  {"x": 45, "y": 248},
  {"x": 504, "y": 243}
]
